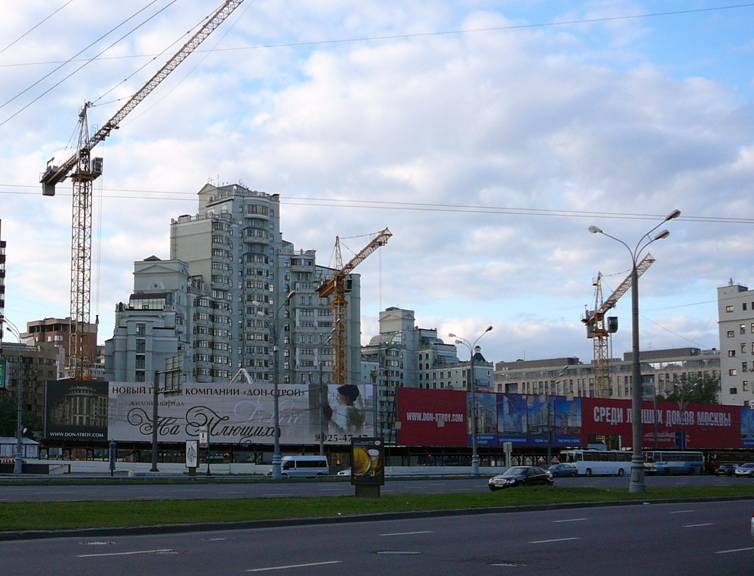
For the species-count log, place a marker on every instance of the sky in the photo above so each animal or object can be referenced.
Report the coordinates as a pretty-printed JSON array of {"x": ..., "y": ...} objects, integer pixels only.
[{"x": 487, "y": 135}]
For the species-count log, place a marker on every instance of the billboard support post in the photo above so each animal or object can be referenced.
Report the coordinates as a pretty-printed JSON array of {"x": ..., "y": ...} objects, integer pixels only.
[{"x": 155, "y": 415}]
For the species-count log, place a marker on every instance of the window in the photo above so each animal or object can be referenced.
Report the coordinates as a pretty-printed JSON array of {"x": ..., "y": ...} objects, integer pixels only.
[
  {"x": 731, "y": 333},
  {"x": 744, "y": 366},
  {"x": 733, "y": 390},
  {"x": 743, "y": 347},
  {"x": 729, "y": 308},
  {"x": 731, "y": 353},
  {"x": 742, "y": 328},
  {"x": 743, "y": 305},
  {"x": 732, "y": 372},
  {"x": 745, "y": 384},
  {"x": 141, "y": 346},
  {"x": 141, "y": 329}
]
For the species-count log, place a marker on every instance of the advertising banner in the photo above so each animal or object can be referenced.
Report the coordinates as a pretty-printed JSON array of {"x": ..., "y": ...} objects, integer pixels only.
[
  {"x": 3, "y": 371},
  {"x": 747, "y": 427},
  {"x": 567, "y": 421},
  {"x": 241, "y": 413},
  {"x": 538, "y": 419},
  {"x": 431, "y": 417},
  {"x": 511, "y": 419},
  {"x": 668, "y": 425},
  {"x": 486, "y": 413},
  {"x": 76, "y": 410},
  {"x": 367, "y": 462}
]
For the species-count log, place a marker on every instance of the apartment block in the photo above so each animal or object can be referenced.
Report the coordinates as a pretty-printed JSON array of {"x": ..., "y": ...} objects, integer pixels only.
[{"x": 735, "y": 312}]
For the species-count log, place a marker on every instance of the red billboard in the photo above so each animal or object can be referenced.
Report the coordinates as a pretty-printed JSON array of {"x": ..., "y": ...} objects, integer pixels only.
[
  {"x": 431, "y": 417},
  {"x": 664, "y": 425}
]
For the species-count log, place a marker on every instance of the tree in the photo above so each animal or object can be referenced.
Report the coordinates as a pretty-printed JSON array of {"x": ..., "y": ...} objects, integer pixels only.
[
  {"x": 693, "y": 389},
  {"x": 8, "y": 413}
]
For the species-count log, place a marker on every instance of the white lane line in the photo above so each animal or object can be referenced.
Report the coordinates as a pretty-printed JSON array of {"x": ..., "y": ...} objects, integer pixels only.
[
  {"x": 158, "y": 551},
  {"x": 697, "y": 525},
  {"x": 682, "y": 511},
  {"x": 734, "y": 550},
  {"x": 407, "y": 533},
  {"x": 289, "y": 566},
  {"x": 401, "y": 552},
  {"x": 217, "y": 539},
  {"x": 553, "y": 540},
  {"x": 569, "y": 520}
]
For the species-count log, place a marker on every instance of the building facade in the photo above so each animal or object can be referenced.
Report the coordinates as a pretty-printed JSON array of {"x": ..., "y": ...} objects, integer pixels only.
[
  {"x": 233, "y": 295},
  {"x": 57, "y": 331},
  {"x": 661, "y": 370},
  {"x": 735, "y": 312}
]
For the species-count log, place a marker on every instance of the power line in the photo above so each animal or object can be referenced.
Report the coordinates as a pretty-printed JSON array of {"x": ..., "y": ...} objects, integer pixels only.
[
  {"x": 406, "y": 36},
  {"x": 37, "y": 25},
  {"x": 51, "y": 88},
  {"x": 84, "y": 49},
  {"x": 139, "y": 194}
]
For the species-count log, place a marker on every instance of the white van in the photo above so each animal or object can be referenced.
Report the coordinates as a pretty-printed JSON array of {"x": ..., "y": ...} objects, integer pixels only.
[{"x": 304, "y": 466}]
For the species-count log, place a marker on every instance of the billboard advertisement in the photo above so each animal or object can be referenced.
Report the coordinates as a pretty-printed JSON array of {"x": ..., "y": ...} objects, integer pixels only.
[
  {"x": 486, "y": 418},
  {"x": 431, "y": 417},
  {"x": 670, "y": 425},
  {"x": 511, "y": 419},
  {"x": 241, "y": 413},
  {"x": 76, "y": 410},
  {"x": 367, "y": 462},
  {"x": 567, "y": 421},
  {"x": 747, "y": 427}
]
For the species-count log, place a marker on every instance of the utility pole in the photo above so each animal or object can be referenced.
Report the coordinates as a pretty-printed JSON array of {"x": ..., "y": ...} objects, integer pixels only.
[{"x": 172, "y": 374}]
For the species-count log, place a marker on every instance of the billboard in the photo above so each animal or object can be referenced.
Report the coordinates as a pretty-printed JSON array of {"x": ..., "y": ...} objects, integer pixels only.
[
  {"x": 76, "y": 410},
  {"x": 241, "y": 413},
  {"x": 670, "y": 425},
  {"x": 3, "y": 372},
  {"x": 439, "y": 418},
  {"x": 367, "y": 462},
  {"x": 431, "y": 417},
  {"x": 511, "y": 419}
]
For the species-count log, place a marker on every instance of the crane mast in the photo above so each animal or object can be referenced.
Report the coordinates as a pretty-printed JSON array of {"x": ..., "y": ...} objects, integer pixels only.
[
  {"x": 600, "y": 328},
  {"x": 83, "y": 170},
  {"x": 336, "y": 287}
]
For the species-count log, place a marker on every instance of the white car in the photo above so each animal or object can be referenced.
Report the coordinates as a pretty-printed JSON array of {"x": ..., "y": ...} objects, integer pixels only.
[
  {"x": 743, "y": 470},
  {"x": 346, "y": 472}
]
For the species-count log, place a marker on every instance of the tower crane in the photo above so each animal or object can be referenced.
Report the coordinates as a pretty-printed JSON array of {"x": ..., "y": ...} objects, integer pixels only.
[
  {"x": 599, "y": 328},
  {"x": 336, "y": 287},
  {"x": 83, "y": 170}
]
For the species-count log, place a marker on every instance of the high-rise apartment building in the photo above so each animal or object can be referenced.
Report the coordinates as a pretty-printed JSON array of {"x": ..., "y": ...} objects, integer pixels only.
[
  {"x": 57, "y": 331},
  {"x": 232, "y": 290},
  {"x": 735, "y": 312}
]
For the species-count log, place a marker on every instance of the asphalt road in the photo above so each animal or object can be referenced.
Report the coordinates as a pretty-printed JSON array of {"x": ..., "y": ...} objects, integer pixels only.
[
  {"x": 192, "y": 490},
  {"x": 653, "y": 539}
]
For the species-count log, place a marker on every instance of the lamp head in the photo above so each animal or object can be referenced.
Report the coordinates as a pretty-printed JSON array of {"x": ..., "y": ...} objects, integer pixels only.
[
  {"x": 595, "y": 230},
  {"x": 488, "y": 328},
  {"x": 451, "y": 335},
  {"x": 662, "y": 234},
  {"x": 674, "y": 214}
]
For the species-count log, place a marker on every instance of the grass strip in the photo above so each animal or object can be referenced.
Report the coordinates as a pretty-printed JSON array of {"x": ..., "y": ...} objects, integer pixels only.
[{"x": 101, "y": 514}]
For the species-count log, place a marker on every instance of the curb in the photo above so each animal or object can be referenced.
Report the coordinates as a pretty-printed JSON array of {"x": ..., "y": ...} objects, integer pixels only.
[{"x": 252, "y": 524}]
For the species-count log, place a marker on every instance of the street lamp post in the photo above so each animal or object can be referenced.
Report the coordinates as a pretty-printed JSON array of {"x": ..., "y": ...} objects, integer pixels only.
[
  {"x": 276, "y": 459},
  {"x": 18, "y": 462},
  {"x": 472, "y": 388},
  {"x": 637, "y": 484}
]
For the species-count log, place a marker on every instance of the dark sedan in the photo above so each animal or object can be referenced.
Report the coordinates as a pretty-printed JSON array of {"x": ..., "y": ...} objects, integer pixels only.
[
  {"x": 726, "y": 470},
  {"x": 520, "y": 476},
  {"x": 563, "y": 470}
]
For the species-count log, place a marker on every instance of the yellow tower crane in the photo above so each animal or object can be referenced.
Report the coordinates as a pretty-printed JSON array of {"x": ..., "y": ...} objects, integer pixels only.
[
  {"x": 336, "y": 287},
  {"x": 600, "y": 328},
  {"x": 83, "y": 170}
]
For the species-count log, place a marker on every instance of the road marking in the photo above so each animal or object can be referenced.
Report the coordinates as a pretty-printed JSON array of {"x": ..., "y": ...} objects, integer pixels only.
[
  {"x": 553, "y": 540},
  {"x": 509, "y": 564},
  {"x": 682, "y": 511},
  {"x": 407, "y": 533},
  {"x": 217, "y": 539},
  {"x": 734, "y": 550},
  {"x": 158, "y": 551},
  {"x": 569, "y": 520},
  {"x": 98, "y": 543},
  {"x": 409, "y": 552},
  {"x": 697, "y": 525},
  {"x": 308, "y": 565}
]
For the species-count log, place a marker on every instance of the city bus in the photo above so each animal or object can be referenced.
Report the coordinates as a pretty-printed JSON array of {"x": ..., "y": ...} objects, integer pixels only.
[
  {"x": 673, "y": 462},
  {"x": 598, "y": 462}
]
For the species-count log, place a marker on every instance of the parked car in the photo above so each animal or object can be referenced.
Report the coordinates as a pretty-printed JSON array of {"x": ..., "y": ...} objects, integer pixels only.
[
  {"x": 345, "y": 472},
  {"x": 745, "y": 470},
  {"x": 520, "y": 476},
  {"x": 563, "y": 470},
  {"x": 725, "y": 470}
]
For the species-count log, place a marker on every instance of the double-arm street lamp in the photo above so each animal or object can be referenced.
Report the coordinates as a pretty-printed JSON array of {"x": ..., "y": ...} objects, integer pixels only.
[
  {"x": 637, "y": 484},
  {"x": 472, "y": 387},
  {"x": 276, "y": 471}
]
